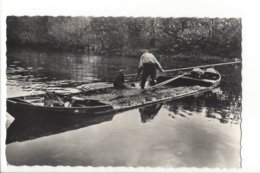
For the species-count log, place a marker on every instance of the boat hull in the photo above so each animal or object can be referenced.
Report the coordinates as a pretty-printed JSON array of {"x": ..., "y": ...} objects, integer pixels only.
[{"x": 23, "y": 110}]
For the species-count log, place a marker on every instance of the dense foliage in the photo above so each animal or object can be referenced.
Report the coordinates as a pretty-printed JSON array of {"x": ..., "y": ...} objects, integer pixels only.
[{"x": 123, "y": 35}]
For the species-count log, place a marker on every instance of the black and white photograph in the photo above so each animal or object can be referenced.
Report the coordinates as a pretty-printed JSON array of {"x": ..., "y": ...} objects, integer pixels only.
[{"x": 123, "y": 91}]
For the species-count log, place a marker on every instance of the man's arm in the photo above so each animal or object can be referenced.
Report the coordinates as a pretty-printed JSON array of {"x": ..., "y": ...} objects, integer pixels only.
[
  {"x": 139, "y": 70},
  {"x": 158, "y": 65},
  {"x": 140, "y": 66}
]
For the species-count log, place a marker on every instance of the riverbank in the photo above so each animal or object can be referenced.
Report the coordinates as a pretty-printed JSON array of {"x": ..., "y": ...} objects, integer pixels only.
[{"x": 124, "y": 35}]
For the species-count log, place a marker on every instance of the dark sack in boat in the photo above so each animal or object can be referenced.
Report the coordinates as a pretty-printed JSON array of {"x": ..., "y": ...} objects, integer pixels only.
[
  {"x": 120, "y": 80},
  {"x": 197, "y": 73},
  {"x": 52, "y": 99}
]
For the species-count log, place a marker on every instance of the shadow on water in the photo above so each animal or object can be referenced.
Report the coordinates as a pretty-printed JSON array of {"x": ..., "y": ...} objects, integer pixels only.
[{"x": 23, "y": 130}]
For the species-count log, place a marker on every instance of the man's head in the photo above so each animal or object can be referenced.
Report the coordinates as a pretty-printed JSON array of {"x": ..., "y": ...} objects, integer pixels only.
[{"x": 142, "y": 51}]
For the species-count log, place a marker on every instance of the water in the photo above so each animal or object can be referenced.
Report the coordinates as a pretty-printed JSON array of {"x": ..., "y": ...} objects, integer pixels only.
[{"x": 201, "y": 131}]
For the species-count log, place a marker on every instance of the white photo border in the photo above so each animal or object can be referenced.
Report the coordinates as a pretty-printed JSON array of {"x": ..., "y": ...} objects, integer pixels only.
[{"x": 247, "y": 10}]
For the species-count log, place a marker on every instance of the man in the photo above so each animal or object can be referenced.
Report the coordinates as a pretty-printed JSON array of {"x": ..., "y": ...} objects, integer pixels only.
[{"x": 148, "y": 64}]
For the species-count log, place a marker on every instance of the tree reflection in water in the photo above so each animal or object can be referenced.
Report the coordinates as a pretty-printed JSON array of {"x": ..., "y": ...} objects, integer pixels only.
[{"x": 210, "y": 105}]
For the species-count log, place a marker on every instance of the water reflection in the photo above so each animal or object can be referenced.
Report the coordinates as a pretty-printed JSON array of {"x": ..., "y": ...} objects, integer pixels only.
[
  {"x": 28, "y": 129},
  {"x": 207, "y": 104},
  {"x": 31, "y": 71},
  {"x": 23, "y": 130},
  {"x": 148, "y": 113},
  {"x": 46, "y": 66}
]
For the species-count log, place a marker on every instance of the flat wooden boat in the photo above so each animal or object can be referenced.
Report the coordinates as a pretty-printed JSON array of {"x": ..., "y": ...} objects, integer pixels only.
[{"x": 94, "y": 99}]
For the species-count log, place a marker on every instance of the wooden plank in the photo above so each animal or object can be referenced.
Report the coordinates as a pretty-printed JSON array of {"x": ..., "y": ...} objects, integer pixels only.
[
  {"x": 189, "y": 68},
  {"x": 201, "y": 66},
  {"x": 166, "y": 82}
]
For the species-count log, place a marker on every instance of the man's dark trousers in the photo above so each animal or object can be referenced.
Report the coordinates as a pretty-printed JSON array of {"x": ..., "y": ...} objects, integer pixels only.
[{"x": 149, "y": 69}]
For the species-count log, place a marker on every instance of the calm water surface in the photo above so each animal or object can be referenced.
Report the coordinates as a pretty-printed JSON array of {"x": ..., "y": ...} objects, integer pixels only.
[{"x": 201, "y": 131}]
